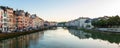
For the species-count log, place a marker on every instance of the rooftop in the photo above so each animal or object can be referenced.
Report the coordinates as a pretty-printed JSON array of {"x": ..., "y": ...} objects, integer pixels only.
[{"x": 5, "y": 8}]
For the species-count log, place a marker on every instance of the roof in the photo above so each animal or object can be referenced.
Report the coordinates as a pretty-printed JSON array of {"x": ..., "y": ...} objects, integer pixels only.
[{"x": 5, "y": 8}]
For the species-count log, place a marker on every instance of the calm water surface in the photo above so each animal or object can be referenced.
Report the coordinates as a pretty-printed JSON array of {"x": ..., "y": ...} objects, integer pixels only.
[{"x": 63, "y": 38}]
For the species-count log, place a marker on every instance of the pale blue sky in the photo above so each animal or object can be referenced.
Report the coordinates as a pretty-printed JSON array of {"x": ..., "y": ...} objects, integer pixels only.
[{"x": 64, "y": 10}]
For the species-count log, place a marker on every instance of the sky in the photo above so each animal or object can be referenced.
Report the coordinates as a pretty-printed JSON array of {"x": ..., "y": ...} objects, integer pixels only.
[{"x": 65, "y": 10}]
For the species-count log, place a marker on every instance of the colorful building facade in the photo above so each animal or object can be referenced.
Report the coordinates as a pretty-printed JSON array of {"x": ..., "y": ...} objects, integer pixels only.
[{"x": 12, "y": 20}]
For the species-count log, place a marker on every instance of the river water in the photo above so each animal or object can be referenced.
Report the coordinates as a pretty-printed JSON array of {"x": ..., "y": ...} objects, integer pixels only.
[{"x": 63, "y": 38}]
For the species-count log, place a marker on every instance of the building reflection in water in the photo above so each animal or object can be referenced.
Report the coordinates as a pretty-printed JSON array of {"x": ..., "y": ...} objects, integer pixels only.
[
  {"x": 21, "y": 41},
  {"x": 25, "y": 41},
  {"x": 80, "y": 34},
  {"x": 110, "y": 37}
]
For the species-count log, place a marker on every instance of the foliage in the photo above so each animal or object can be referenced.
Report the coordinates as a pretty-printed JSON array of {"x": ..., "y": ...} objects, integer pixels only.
[
  {"x": 62, "y": 23},
  {"x": 113, "y": 21}
]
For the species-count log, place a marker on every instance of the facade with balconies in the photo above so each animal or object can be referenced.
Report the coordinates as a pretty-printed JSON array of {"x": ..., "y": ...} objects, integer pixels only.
[
  {"x": 1, "y": 14},
  {"x": 4, "y": 19},
  {"x": 36, "y": 22},
  {"x": 18, "y": 20}
]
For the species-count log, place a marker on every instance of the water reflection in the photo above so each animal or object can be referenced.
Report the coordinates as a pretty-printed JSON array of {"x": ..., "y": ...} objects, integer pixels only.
[
  {"x": 22, "y": 41},
  {"x": 111, "y": 37},
  {"x": 63, "y": 38},
  {"x": 80, "y": 34}
]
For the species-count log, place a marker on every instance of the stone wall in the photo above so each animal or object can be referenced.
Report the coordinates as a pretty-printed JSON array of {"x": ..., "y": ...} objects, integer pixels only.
[{"x": 109, "y": 29}]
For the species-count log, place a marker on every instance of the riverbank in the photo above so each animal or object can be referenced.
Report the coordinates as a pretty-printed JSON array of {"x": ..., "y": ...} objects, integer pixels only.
[
  {"x": 98, "y": 31},
  {"x": 15, "y": 34},
  {"x": 109, "y": 29},
  {"x": 94, "y": 30}
]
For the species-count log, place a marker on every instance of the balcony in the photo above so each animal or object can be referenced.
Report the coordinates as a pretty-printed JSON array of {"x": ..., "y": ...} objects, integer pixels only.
[
  {"x": 5, "y": 15},
  {"x": 4, "y": 22}
]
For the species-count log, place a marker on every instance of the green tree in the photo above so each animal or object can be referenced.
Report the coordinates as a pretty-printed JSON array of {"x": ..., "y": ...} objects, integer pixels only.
[{"x": 113, "y": 21}]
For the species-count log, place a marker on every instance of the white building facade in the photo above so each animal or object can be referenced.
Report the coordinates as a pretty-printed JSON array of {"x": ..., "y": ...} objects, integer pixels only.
[
  {"x": 82, "y": 22},
  {"x": 4, "y": 20},
  {"x": 85, "y": 22}
]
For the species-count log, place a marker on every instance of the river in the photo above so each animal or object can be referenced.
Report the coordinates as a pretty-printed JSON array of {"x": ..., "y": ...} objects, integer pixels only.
[{"x": 63, "y": 38}]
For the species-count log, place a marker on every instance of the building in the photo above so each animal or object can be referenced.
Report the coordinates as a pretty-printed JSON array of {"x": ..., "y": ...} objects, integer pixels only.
[
  {"x": 73, "y": 23},
  {"x": 85, "y": 22},
  {"x": 82, "y": 22},
  {"x": 46, "y": 24},
  {"x": 53, "y": 24},
  {"x": 41, "y": 22},
  {"x": 11, "y": 20},
  {"x": 8, "y": 24},
  {"x": 30, "y": 22},
  {"x": 1, "y": 14},
  {"x": 19, "y": 19},
  {"x": 26, "y": 21},
  {"x": 4, "y": 19},
  {"x": 33, "y": 22},
  {"x": 36, "y": 22}
]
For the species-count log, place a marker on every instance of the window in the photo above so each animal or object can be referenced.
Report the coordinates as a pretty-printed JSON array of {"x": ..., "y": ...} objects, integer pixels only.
[
  {"x": 5, "y": 23},
  {"x": 87, "y": 21},
  {"x": 5, "y": 20},
  {"x": 10, "y": 20},
  {"x": 5, "y": 15}
]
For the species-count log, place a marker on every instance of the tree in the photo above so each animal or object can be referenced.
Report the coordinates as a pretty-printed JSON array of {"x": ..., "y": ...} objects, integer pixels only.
[{"x": 113, "y": 21}]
